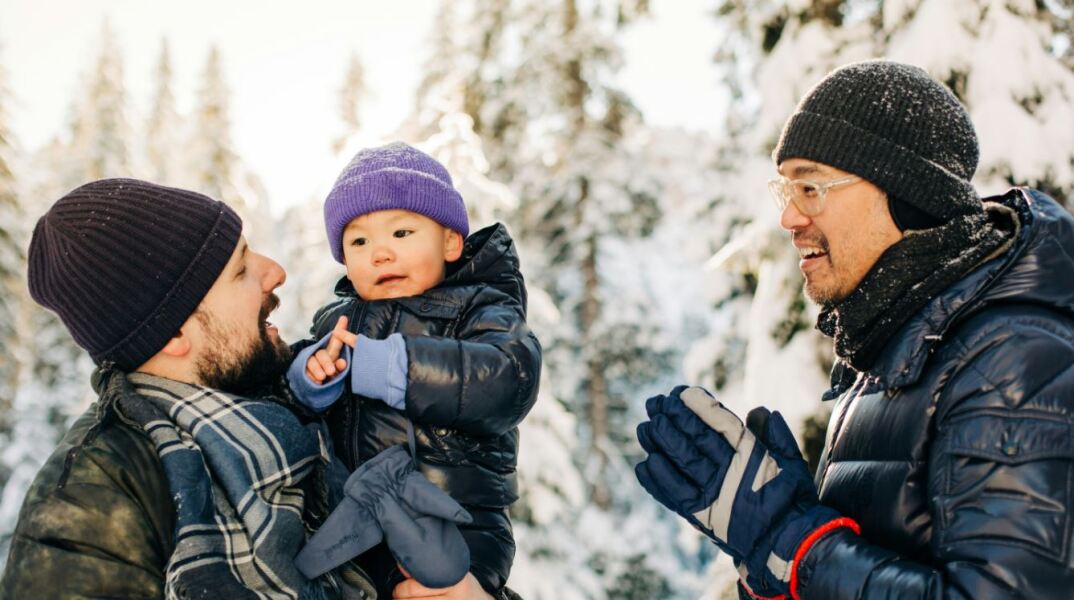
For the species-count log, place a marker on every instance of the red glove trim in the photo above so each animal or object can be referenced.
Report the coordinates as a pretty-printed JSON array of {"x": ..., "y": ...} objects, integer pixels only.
[{"x": 811, "y": 539}]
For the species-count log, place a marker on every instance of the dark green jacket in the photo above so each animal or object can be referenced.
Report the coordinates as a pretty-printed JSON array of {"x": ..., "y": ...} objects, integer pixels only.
[{"x": 103, "y": 526}]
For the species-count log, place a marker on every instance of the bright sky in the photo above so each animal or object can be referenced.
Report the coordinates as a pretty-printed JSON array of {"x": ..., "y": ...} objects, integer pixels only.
[{"x": 285, "y": 67}]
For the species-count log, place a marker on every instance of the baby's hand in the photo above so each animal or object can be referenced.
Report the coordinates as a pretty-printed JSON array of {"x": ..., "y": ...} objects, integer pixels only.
[{"x": 325, "y": 363}]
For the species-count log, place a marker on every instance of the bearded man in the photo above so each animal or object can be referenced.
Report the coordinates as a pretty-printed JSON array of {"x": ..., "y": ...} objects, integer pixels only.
[{"x": 187, "y": 478}]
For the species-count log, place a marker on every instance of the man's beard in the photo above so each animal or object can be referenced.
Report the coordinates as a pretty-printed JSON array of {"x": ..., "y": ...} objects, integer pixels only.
[{"x": 243, "y": 371}]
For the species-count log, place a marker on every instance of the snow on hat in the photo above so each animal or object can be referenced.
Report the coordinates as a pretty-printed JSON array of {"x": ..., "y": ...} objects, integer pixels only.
[
  {"x": 895, "y": 126},
  {"x": 395, "y": 176},
  {"x": 125, "y": 262}
]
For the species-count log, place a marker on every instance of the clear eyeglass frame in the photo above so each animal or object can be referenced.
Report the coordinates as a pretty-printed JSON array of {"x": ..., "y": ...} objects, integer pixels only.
[{"x": 807, "y": 195}]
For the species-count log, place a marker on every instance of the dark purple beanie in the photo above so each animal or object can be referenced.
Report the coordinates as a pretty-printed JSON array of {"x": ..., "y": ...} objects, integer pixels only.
[
  {"x": 124, "y": 263},
  {"x": 396, "y": 176}
]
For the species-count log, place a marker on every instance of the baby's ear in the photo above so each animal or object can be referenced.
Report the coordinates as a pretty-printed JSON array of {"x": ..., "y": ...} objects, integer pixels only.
[{"x": 452, "y": 245}]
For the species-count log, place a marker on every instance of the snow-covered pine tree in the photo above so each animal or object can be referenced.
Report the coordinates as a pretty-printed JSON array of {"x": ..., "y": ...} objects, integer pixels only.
[
  {"x": 311, "y": 270},
  {"x": 460, "y": 150},
  {"x": 212, "y": 158},
  {"x": 466, "y": 71},
  {"x": 213, "y": 166},
  {"x": 1005, "y": 62},
  {"x": 442, "y": 73},
  {"x": 772, "y": 53},
  {"x": 583, "y": 189},
  {"x": 100, "y": 137},
  {"x": 12, "y": 297},
  {"x": 162, "y": 131},
  {"x": 351, "y": 96},
  {"x": 11, "y": 267},
  {"x": 1061, "y": 14},
  {"x": 573, "y": 150},
  {"x": 52, "y": 374}
]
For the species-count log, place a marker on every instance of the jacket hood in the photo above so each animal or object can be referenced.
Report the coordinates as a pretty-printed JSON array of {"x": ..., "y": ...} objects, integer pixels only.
[
  {"x": 488, "y": 257},
  {"x": 1037, "y": 269}
]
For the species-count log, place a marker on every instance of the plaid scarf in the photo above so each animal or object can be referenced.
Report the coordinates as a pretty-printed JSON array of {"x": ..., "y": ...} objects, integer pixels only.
[{"x": 238, "y": 470}]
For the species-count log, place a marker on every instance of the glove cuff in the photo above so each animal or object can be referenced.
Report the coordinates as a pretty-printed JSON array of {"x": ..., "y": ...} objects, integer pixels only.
[
  {"x": 810, "y": 540},
  {"x": 784, "y": 575}
]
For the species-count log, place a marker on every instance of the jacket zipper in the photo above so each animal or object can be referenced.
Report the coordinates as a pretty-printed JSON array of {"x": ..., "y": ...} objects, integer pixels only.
[
  {"x": 844, "y": 409},
  {"x": 353, "y": 414}
]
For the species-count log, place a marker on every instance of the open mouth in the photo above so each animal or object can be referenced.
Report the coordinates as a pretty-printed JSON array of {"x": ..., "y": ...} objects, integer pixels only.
[
  {"x": 271, "y": 304},
  {"x": 811, "y": 252},
  {"x": 389, "y": 278}
]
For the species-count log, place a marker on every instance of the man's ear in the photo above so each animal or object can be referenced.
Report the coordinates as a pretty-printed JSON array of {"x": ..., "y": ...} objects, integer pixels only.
[
  {"x": 178, "y": 346},
  {"x": 452, "y": 245}
]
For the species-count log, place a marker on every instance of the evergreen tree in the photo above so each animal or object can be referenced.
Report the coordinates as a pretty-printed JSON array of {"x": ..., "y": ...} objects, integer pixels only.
[
  {"x": 214, "y": 168},
  {"x": 460, "y": 150},
  {"x": 12, "y": 301},
  {"x": 212, "y": 157},
  {"x": 1000, "y": 58},
  {"x": 312, "y": 272},
  {"x": 11, "y": 264},
  {"x": 51, "y": 372},
  {"x": 585, "y": 191},
  {"x": 162, "y": 135},
  {"x": 440, "y": 88},
  {"x": 576, "y": 153},
  {"x": 350, "y": 99},
  {"x": 101, "y": 133}
]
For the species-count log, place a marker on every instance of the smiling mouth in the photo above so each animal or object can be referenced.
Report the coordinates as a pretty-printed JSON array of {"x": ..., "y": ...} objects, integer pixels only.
[
  {"x": 811, "y": 252},
  {"x": 389, "y": 279},
  {"x": 271, "y": 304}
]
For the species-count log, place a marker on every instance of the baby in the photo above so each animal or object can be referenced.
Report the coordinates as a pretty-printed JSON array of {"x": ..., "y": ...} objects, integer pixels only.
[{"x": 437, "y": 322}]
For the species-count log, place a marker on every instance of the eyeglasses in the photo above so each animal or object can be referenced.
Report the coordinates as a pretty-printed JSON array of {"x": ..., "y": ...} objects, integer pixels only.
[{"x": 808, "y": 196}]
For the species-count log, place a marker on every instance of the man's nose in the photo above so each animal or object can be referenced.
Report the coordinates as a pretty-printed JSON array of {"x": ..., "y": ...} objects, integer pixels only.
[
  {"x": 273, "y": 274},
  {"x": 792, "y": 219}
]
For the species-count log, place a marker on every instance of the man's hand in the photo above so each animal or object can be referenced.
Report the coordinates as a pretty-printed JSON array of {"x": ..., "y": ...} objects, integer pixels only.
[
  {"x": 746, "y": 488},
  {"x": 326, "y": 363},
  {"x": 467, "y": 589}
]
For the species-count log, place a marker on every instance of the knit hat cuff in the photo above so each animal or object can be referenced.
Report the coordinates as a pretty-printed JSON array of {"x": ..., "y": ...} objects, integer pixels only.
[
  {"x": 387, "y": 189},
  {"x": 901, "y": 173},
  {"x": 182, "y": 299}
]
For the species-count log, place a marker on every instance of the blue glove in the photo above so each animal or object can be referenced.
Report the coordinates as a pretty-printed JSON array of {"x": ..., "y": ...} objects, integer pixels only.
[{"x": 750, "y": 491}]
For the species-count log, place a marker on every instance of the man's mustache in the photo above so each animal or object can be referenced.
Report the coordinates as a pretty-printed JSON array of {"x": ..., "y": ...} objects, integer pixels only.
[{"x": 271, "y": 303}]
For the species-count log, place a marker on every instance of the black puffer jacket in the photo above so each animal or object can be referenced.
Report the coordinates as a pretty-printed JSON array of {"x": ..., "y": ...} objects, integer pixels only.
[
  {"x": 955, "y": 452},
  {"x": 472, "y": 376}
]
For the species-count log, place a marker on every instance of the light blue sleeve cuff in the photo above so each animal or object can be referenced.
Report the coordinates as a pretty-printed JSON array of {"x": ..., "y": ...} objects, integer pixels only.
[
  {"x": 380, "y": 369},
  {"x": 318, "y": 396}
]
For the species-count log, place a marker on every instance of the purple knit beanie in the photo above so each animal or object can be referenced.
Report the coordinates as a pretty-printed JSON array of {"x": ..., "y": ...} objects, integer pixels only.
[{"x": 395, "y": 176}]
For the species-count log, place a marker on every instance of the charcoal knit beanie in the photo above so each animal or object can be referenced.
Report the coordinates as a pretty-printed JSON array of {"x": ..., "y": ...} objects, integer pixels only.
[
  {"x": 395, "y": 176},
  {"x": 895, "y": 126},
  {"x": 124, "y": 263}
]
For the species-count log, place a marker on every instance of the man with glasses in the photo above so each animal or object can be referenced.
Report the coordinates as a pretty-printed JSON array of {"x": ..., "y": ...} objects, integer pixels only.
[{"x": 948, "y": 469}]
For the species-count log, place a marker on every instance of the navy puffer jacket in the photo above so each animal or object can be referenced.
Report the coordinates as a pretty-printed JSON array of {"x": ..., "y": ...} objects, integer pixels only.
[
  {"x": 955, "y": 452},
  {"x": 473, "y": 371}
]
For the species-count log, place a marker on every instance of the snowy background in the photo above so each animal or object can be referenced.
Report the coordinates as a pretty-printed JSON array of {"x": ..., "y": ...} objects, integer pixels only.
[{"x": 624, "y": 142}]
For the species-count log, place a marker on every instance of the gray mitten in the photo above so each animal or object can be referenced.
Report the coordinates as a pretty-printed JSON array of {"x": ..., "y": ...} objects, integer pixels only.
[{"x": 387, "y": 499}]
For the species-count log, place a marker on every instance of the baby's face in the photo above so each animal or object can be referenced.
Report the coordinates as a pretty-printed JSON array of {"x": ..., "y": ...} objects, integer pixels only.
[{"x": 397, "y": 253}]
